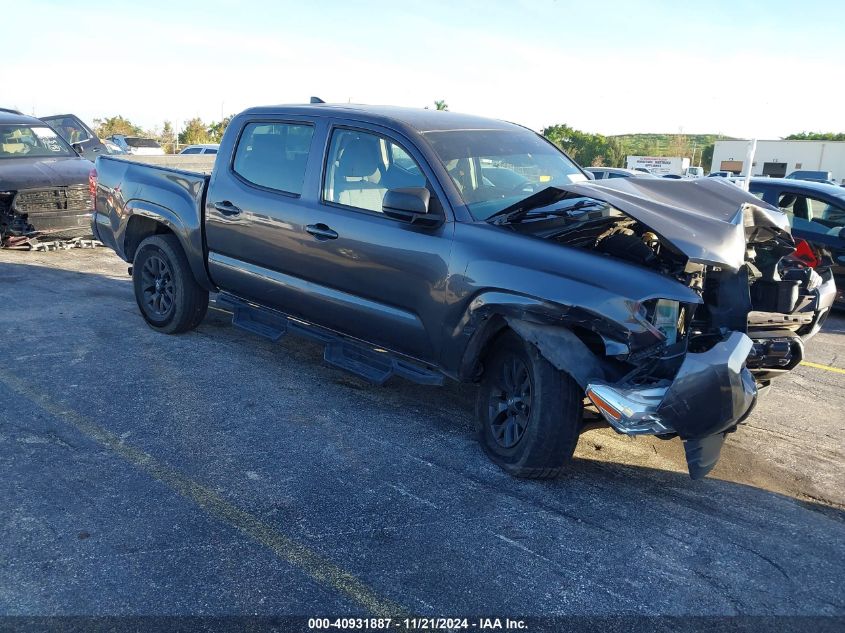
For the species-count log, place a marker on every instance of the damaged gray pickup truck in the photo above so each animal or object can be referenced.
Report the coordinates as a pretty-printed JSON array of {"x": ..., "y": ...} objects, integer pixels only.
[{"x": 425, "y": 244}]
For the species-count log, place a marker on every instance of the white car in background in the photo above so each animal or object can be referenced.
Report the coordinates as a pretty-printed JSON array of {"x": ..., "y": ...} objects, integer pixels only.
[
  {"x": 209, "y": 148},
  {"x": 137, "y": 145}
]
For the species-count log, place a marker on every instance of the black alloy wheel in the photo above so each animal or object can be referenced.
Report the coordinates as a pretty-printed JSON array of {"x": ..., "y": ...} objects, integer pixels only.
[
  {"x": 510, "y": 402},
  {"x": 157, "y": 286}
]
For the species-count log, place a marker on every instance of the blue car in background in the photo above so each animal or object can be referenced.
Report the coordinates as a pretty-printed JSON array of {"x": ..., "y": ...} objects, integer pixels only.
[
  {"x": 816, "y": 213},
  {"x": 813, "y": 176}
]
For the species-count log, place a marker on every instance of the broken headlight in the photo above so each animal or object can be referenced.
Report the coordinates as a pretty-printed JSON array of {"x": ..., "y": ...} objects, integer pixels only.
[
  {"x": 669, "y": 318},
  {"x": 666, "y": 319}
]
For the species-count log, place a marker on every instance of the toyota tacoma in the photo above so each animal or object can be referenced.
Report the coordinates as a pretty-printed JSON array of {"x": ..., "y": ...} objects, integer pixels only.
[{"x": 428, "y": 244}]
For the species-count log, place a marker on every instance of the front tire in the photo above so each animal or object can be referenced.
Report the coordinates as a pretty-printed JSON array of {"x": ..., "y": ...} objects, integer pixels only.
[
  {"x": 528, "y": 414},
  {"x": 170, "y": 299}
]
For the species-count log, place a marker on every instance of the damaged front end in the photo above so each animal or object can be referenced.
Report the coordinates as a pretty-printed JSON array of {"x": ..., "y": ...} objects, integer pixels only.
[
  {"x": 15, "y": 228},
  {"x": 710, "y": 394},
  {"x": 56, "y": 213},
  {"x": 692, "y": 370}
]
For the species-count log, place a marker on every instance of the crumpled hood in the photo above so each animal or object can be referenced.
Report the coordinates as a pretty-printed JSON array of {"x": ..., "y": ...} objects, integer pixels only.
[
  {"x": 36, "y": 173},
  {"x": 707, "y": 220}
]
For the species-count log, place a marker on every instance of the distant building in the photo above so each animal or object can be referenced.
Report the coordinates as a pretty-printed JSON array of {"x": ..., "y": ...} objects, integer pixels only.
[{"x": 780, "y": 158}]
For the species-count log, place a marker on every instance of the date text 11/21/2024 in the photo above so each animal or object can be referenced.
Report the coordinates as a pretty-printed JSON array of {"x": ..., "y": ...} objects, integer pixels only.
[{"x": 419, "y": 624}]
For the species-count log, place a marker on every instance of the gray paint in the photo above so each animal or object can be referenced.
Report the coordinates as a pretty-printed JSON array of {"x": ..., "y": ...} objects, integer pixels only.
[
  {"x": 43, "y": 172},
  {"x": 706, "y": 219},
  {"x": 429, "y": 293}
]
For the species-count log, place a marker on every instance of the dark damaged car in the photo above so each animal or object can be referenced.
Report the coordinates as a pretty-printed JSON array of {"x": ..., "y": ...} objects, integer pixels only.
[
  {"x": 428, "y": 244},
  {"x": 44, "y": 183}
]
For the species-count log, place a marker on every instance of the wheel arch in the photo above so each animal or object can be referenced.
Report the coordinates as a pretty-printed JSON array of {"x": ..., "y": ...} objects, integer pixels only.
[
  {"x": 146, "y": 219},
  {"x": 570, "y": 345}
]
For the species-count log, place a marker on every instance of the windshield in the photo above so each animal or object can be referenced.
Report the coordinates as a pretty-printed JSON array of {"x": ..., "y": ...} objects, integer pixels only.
[
  {"x": 494, "y": 169},
  {"x": 24, "y": 141}
]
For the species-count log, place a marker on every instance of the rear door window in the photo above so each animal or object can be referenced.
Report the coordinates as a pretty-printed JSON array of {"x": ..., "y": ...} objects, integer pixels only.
[{"x": 274, "y": 155}]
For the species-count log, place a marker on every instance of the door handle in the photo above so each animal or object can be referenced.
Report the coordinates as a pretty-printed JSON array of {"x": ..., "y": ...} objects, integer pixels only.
[
  {"x": 321, "y": 231},
  {"x": 227, "y": 208}
]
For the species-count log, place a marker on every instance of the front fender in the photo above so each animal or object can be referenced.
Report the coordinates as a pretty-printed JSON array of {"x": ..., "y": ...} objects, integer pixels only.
[{"x": 543, "y": 323}]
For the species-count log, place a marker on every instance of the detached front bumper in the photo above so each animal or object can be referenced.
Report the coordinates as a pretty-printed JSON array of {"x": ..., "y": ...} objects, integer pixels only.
[{"x": 711, "y": 393}]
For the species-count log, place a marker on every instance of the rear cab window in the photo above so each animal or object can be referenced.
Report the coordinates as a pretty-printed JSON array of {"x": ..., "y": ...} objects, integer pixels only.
[{"x": 274, "y": 155}]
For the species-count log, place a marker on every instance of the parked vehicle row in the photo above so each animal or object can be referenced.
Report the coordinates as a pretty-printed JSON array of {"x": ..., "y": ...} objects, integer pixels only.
[
  {"x": 83, "y": 139},
  {"x": 601, "y": 173},
  {"x": 43, "y": 187},
  {"x": 137, "y": 145},
  {"x": 44, "y": 183},
  {"x": 435, "y": 245},
  {"x": 209, "y": 148}
]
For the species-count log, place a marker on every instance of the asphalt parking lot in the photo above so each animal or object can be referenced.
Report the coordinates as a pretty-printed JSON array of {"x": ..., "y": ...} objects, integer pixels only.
[{"x": 217, "y": 473}]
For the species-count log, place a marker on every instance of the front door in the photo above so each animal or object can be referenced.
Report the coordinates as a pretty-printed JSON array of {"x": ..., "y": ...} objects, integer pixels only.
[{"x": 382, "y": 280}]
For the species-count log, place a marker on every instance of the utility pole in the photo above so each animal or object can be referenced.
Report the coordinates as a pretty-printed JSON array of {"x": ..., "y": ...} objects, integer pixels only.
[{"x": 749, "y": 161}]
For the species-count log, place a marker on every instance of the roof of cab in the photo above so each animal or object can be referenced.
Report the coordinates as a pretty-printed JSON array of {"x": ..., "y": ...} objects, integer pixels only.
[
  {"x": 21, "y": 119},
  {"x": 419, "y": 119}
]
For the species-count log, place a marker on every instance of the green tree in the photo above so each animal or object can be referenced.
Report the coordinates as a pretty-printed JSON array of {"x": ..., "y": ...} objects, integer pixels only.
[
  {"x": 679, "y": 145},
  {"x": 816, "y": 136},
  {"x": 116, "y": 125},
  {"x": 167, "y": 138},
  {"x": 218, "y": 128},
  {"x": 195, "y": 133},
  {"x": 441, "y": 105},
  {"x": 586, "y": 148},
  {"x": 707, "y": 156}
]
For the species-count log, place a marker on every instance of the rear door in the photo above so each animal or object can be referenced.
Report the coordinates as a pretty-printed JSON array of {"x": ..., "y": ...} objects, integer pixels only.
[{"x": 255, "y": 216}]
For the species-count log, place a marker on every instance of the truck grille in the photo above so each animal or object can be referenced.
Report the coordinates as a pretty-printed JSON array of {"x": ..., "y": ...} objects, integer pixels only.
[{"x": 73, "y": 198}]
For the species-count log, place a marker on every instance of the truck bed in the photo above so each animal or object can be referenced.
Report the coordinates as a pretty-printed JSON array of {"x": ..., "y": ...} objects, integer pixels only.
[
  {"x": 136, "y": 190},
  {"x": 197, "y": 163}
]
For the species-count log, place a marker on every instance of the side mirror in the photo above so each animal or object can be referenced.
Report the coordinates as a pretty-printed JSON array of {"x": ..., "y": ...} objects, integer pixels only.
[
  {"x": 590, "y": 175},
  {"x": 410, "y": 204},
  {"x": 842, "y": 233},
  {"x": 78, "y": 148}
]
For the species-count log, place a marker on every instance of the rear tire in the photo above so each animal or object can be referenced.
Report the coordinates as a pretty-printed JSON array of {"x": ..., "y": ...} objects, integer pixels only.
[
  {"x": 170, "y": 299},
  {"x": 528, "y": 414}
]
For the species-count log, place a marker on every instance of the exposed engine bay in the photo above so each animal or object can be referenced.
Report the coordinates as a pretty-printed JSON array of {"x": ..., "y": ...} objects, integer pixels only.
[
  {"x": 700, "y": 372},
  {"x": 771, "y": 296}
]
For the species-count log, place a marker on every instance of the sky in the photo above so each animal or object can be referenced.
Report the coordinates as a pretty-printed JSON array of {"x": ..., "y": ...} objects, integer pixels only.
[{"x": 744, "y": 69}]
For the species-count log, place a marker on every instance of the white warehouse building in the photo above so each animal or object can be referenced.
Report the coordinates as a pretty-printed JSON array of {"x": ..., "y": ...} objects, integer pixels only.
[{"x": 780, "y": 158}]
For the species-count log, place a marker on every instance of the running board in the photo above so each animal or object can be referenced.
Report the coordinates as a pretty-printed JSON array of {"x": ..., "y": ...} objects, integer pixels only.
[{"x": 372, "y": 364}]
